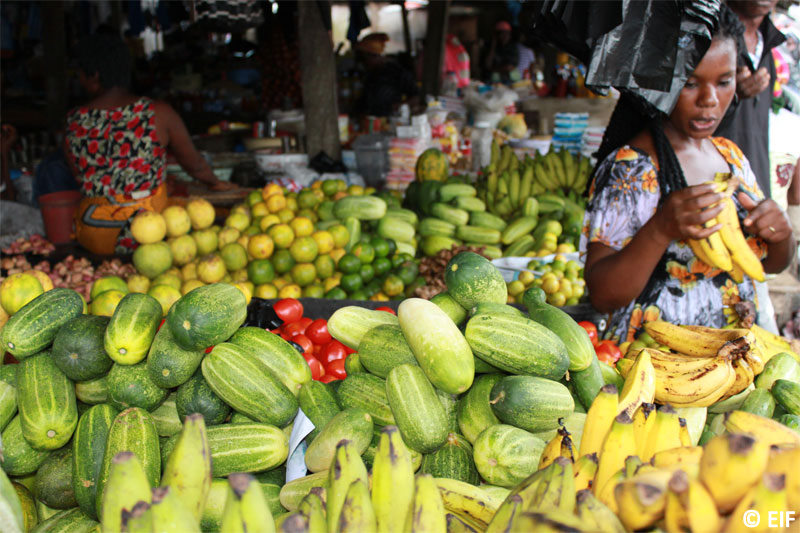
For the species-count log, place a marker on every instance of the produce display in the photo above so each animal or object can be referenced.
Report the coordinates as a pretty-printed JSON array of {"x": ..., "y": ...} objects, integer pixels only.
[
  {"x": 561, "y": 279},
  {"x": 135, "y": 422}
]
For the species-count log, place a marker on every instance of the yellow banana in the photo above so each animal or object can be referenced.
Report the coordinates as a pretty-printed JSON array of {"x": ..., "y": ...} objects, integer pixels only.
[
  {"x": 732, "y": 236},
  {"x": 557, "y": 489},
  {"x": 785, "y": 460},
  {"x": 770, "y": 344},
  {"x": 606, "y": 496},
  {"x": 766, "y": 430},
  {"x": 595, "y": 514},
  {"x": 617, "y": 446},
  {"x": 642, "y": 499},
  {"x": 127, "y": 484},
  {"x": 357, "y": 513},
  {"x": 347, "y": 467},
  {"x": 632, "y": 466},
  {"x": 643, "y": 420},
  {"x": 392, "y": 481},
  {"x": 686, "y": 457},
  {"x": 313, "y": 509},
  {"x": 665, "y": 433},
  {"x": 467, "y": 500},
  {"x": 744, "y": 377},
  {"x": 504, "y": 519},
  {"x": 768, "y": 500},
  {"x": 599, "y": 419},
  {"x": 427, "y": 515},
  {"x": 171, "y": 515},
  {"x": 699, "y": 251},
  {"x": 699, "y": 388},
  {"x": 559, "y": 446},
  {"x": 694, "y": 341},
  {"x": 640, "y": 385},
  {"x": 714, "y": 252},
  {"x": 686, "y": 440},
  {"x": 137, "y": 520},
  {"x": 730, "y": 466},
  {"x": 690, "y": 506},
  {"x": 461, "y": 524},
  {"x": 585, "y": 470},
  {"x": 188, "y": 468}
]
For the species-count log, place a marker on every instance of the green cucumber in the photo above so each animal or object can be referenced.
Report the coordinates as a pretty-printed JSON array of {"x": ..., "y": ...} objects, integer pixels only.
[
  {"x": 166, "y": 418},
  {"x": 93, "y": 392},
  {"x": 88, "y": 448},
  {"x": 53, "y": 485},
  {"x": 470, "y": 204},
  {"x": 196, "y": 396},
  {"x": 787, "y": 395},
  {"x": 47, "y": 405},
  {"x": 450, "y": 404},
  {"x": 245, "y": 383},
  {"x": 79, "y": 349},
  {"x": 478, "y": 235},
  {"x": 587, "y": 382},
  {"x": 286, "y": 363},
  {"x": 359, "y": 207},
  {"x": 780, "y": 366},
  {"x": 352, "y": 424},
  {"x": 474, "y": 413},
  {"x": 319, "y": 404},
  {"x": 207, "y": 315},
  {"x": 33, "y": 328},
  {"x": 452, "y": 461},
  {"x": 506, "y": 455},
  {"x": 383, "y": 348},
  {"x": 486, "y": 220},
  {"x": 448, "y": 213},
  {"x": 350, "y": 324},
  {"x": 132, "y": 327},
  {"x": 520, "y": 247},
  {"x": 452, "y": 191},
  {"x": 519, "y": 228},
  {"x": 368, "y": 393},
  {"x": 416, "y": 408},
  {"x": 133, "y": 386},
  {"x": 531, "y": 403},
  {"x": 472, "y": 279},
  {"x": 430, "y": 227},
  {"x": 495, "y": 308},
  {"x": 8, "y": 403},
  {"x": 446, "y": 302},
  {"x": 168, "y": 364},
  {"x": 18, "y": 458}
]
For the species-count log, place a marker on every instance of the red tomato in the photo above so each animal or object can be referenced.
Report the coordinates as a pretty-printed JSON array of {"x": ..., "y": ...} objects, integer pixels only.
[
  {"x": 305, "y": 321},
  {"x": 336, "y": 369},
  {"x": 285, "y": 336},
  {"x": 317, "y": 331},
  {"x": 304, "y": 342},
  {"x": 288, "y": 309},
  {"x": 327, "y": 378},
  {"x": 208, "y": 350},
  {"x": 348, "y": 349},
  {"x": 387, "y": 309},
  {"x": 591, "y": 329},
  {"x": 276, "y": 331},
  {"x": 293, "y": 329},
  {"x": 161, "y": 323},
  {"x": 332, "y": 351},
  {"x": 608, "y": 352},
  {"x": 317, "y": 370}
]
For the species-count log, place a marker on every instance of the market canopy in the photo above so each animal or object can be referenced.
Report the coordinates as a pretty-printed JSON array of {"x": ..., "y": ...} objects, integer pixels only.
[{"x": 646, "y": 47}]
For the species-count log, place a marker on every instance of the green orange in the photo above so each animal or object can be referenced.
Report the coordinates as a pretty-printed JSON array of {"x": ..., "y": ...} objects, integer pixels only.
[
  {"x": 304, "y": 249},
  {"x": 340, "y": 235},
  {"x": 260, "y": 271},
  {"x": 282, "y": 235},
  {"x": 304, "y": 274},
  {"x": 325, "y": 266},
  {"x": 282, "y": 261}
]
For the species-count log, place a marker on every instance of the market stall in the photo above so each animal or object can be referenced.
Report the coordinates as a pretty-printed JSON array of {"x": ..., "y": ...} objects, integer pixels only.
[{"x": 402, "y": 336}]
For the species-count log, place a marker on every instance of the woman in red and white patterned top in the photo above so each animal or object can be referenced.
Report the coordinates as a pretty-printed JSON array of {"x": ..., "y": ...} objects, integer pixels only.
[{"x": 117, "y": 146}]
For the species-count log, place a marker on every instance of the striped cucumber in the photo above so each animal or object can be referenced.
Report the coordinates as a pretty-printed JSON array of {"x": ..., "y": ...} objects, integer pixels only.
[
  {"x": 33, "y": 328},
  {"x": 286, "y": 363},
  {"x": 319, "y": 404},
  {"x": 368, "y": 393},
  {"x": 47, "y": 405},
  {"x": 88, "y": 448},
  {"x": 383, "y": 348},
  {"x": 168, "y": 364},
  {"x": 419, "y": 413},
  {"x": 18, "y": 458},
  {"x": 132, "y": 328}
]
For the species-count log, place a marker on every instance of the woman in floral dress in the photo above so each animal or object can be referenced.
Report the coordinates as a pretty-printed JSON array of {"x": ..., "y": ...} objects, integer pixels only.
[
  {"x": 648, "y": 198},
  {"x": 117, "y": 146}
]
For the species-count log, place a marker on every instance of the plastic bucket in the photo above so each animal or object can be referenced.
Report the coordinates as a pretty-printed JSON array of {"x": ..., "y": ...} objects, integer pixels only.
[{"x": 58, "y": 211}]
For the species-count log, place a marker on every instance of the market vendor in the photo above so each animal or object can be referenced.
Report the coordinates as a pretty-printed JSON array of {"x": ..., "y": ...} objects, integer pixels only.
[
  {"x": 649, "y": 197},
  {"x": 117, "y": 147}
]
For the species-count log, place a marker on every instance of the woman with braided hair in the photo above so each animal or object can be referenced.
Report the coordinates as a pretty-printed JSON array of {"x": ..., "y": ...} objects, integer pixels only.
[{"x": 649, "y": 196}]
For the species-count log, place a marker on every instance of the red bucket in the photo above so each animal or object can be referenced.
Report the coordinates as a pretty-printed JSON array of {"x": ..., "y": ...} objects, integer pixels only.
[{"x": 58, "y": 211}]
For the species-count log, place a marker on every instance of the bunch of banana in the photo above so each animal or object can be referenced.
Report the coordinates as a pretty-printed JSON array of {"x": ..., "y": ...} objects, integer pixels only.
[
  {"x": 129, "y": 503},
  {"x": 767, "y": 344},
  {"x": 727, "y": 248},
  {"x": 703, "y": 365},
  {"x": 391, "y": 499}
]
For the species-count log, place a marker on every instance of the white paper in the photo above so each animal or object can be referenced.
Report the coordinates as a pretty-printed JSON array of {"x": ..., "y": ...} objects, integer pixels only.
[{"x": 296, "y": 464}]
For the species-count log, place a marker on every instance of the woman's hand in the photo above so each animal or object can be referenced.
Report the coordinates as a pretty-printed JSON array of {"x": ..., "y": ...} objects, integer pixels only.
[
  {"x": 685, "y": 212},
  {"x": 765, "y": 220},
  {"x": 222, "y": 186},
  {"x": 750, "y": 84}
]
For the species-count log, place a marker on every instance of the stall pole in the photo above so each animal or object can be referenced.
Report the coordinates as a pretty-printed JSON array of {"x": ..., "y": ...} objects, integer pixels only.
[
  {"x": 55, "y": 45},
  {"x": 318, "y": 76},
  {"x": 434, "y": 47},
  {"x": 406, "y": 31}
]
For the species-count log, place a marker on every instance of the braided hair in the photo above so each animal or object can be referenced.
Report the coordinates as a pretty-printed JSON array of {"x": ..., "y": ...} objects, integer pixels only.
[{"x": 633, "y": 114}]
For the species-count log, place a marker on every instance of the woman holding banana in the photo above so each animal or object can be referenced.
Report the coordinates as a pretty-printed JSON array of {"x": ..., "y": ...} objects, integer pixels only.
[{"x": 662, "y": 238}]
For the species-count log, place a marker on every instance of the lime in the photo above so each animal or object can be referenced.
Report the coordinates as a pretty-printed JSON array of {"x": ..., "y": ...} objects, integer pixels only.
[
  {"x": 314, "y": 291},
  {"x": 330, "y": 187},
  {"x": 392, "y": 247},
  {"x": 282, "y": 261},
  {"x": 260, "y": 271},
  {"x": 407, "y": 272},
  {"x": 367, "y": 272},
  {"x": 106, "y": 284},
  {"x": 304, "y": 249},
  {"x": 382, "y": 265},
  {"x": 557, "y": 299},
  {"x": 234, "y": 255},
  {"x": 282, "y": 235},
  {"x": 349, "y": 264},
  {"x": 515, "y": 288},
  {"x": 266, "y": 291},
  {"x": 307, "y": 199},
  {"x": 290, "y": 291},
  {"x": 381, "y": 246},
  {"x": 397, "y": 260},
  {"x": 325, "y": 266},
  {"x": 365, "y": 252},
  {"x": 304, "y": 274},
  {"x": 336, "y": 293},
  {"x": 558, "y": 265},
  {"x": 340, "y": 235},
  {"x": 309, "y": 214},
  {"x": 526, "y": 277},
  {"x": 373, "y": 287},
  {"x": 351, "y": 282},
  {"x": 550, "y": 285},
  {"x": 358, "y": 295},
  {"x": 393, "y": 286}
]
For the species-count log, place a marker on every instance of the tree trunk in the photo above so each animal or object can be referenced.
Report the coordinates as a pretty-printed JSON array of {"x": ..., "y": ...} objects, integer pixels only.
[
  {"x": 318, "y": 74},
  {"x": 434, "y": 47}
]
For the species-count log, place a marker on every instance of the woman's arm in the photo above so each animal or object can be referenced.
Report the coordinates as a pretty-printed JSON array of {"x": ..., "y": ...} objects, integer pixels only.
[
  {"x": 615, "y": 278},
  {"x": 181, "y": 145}
]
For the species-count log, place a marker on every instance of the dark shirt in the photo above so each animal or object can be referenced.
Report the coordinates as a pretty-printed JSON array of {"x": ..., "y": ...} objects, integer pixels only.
[
  {"x": 747, "y": 123},
  {"x": 384, "y": 88},
  {"x": 504, "y": 55}
]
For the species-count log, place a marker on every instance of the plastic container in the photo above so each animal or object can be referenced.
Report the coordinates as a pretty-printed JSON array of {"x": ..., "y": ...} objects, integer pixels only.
[
  {"x": 372, "y": 158},
  {"x": 58, "y": 212},
  {"x": 481, "y": 140}
]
